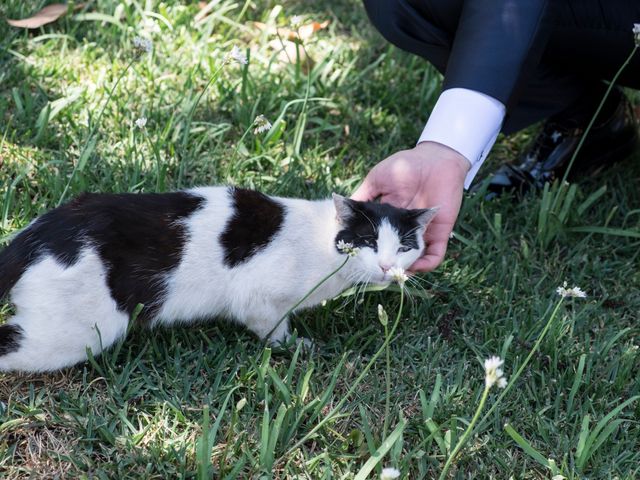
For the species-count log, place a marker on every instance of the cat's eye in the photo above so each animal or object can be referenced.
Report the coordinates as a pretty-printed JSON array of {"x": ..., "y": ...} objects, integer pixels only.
[
  {"x": 403, "y": 249},
  {"x": 369, "y": 242}
]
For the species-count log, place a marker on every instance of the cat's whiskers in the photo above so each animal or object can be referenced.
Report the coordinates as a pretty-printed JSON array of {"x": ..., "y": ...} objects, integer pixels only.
[
  {"x": 359, "y": 281},
  {"x": 410, "y": 293},
  {"x": 362, "y": 287},
  {"x": 419, "y": 281}
]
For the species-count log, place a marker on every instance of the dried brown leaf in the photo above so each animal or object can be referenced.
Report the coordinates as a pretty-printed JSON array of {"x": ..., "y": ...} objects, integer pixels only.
[
  {"x": 306, "y": 31},
  {"x": 48, "y": 14}
]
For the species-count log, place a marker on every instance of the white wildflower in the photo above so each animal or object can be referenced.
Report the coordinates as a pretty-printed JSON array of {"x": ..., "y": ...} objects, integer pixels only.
[
  {"x": 636, "y": 33},
  {"x": 575, "y": 292},
  {"x": 382, "y": 315},
  {"x": 347, "y": 247},
  {"x": 261, "y": 124},
  {"x": 150, "y": 26},
  {"x": 237, "y": 56},
  {"x": 343, "y": 246},
  {"x": 398, "y": 275},
  {"x": 142, "y": 45},
  {"x": 389, "y": 473},
  {"x": 296, "y": 21},
  {"x": 141, "y": 122},
  {"x": 493, "y": 372}
]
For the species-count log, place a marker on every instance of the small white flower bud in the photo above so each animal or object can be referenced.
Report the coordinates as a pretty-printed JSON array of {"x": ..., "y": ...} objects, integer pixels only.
[{"x": 382, "y": 315}]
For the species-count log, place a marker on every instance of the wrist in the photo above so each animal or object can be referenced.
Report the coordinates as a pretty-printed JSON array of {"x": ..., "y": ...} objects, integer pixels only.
[{"x": 428, "y": 149}]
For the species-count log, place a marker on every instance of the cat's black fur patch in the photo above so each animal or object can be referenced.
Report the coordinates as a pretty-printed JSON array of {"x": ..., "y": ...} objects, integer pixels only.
[
  {"x": 138, "y": 237},
  {"x": 10, "y": 336},
  {"x": 256, "y": 219},
  {"x": 55, "y": 232},
  {"x": 362, "y": 226}
]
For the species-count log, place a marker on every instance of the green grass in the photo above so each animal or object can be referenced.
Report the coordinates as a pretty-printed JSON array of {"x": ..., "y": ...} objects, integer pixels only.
[{"x": 208, "y": 401}]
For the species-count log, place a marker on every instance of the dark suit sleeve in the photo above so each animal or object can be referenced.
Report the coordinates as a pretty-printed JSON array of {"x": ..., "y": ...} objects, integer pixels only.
[{"x": 496, "y": 44}]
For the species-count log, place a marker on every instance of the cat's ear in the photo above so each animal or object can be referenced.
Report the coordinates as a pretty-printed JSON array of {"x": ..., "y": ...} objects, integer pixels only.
[
  {"x": 424, "y": 215},
  {"x": 344, "y": 208}
]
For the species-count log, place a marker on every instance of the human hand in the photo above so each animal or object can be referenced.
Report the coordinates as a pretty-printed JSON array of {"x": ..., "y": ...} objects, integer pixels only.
[{"x": 429, "y": 175}]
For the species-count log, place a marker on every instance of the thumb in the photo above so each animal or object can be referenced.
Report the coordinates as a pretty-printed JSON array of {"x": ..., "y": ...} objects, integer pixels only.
[{"x": 365, "y": 191}]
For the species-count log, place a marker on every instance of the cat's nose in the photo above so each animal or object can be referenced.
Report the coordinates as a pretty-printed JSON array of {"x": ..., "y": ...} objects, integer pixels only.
[{"x": 385, "y": 267}]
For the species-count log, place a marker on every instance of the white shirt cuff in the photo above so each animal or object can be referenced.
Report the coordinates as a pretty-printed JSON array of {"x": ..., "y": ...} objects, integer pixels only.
[{"x": 466, "y": 121}]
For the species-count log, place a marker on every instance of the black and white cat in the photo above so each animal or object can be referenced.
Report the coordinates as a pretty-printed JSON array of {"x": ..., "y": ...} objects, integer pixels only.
[{"x": 77, "y": 273}]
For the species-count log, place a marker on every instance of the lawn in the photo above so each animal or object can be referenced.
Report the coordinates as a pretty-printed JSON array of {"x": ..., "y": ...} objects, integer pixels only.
[{"x": 210, "y": 401}]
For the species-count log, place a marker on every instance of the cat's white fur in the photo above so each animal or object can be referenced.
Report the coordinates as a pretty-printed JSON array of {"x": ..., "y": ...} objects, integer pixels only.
[{"x": 65, "y": 310}]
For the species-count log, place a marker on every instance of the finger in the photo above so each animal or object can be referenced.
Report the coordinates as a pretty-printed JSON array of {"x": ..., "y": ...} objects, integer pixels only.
[
  {"x": 432, "y": 258},
  {"x": 436, "y": 238},
  {"x": 365, "y": 192}
]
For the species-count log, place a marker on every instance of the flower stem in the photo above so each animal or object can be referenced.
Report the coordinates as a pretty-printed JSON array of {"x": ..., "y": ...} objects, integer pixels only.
[
  {"x": 182, "y": 171},
  {"x": 92, "y": 133},
  {"x": 160, "y": 169},
  {"x": 592, "y": 121},
  {"x": 387, "y": 404},
  {"x": 466, "y": 434},
  {"x": 239, "y": 142},
  {"x": 309, "y": 293},
  {"x": 355, "y": 384},
  {"x": 512, "y": 382},
  {"x": 515, "y": 376},
  {"x": 192, "y": 109}
]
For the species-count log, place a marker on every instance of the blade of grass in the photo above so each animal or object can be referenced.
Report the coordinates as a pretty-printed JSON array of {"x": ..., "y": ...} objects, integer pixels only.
[{"x": 382, "y": 450}]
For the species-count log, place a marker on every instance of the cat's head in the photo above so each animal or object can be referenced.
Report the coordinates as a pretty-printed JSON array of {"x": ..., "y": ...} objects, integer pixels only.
[{"x": 387, "y": 237}]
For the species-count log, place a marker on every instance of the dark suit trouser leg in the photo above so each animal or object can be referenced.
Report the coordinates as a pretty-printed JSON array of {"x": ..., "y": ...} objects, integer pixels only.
[{"x": 584, "y": 43}]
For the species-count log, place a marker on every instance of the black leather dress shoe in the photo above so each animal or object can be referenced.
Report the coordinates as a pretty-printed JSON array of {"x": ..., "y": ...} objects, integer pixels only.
[{"x": 548, "y": 157}]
